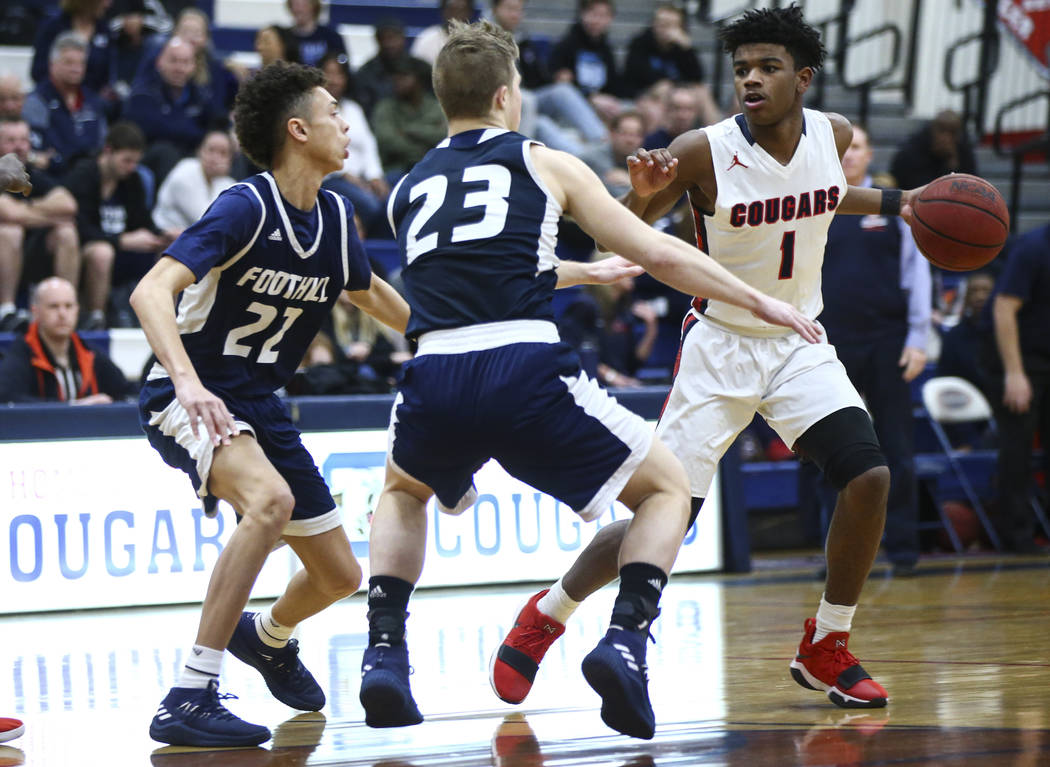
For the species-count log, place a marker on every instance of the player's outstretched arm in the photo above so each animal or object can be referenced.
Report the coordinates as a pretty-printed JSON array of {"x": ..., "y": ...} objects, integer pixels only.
[
  {"x": 863, "y": 200},
  {"x": 154, "y": 303},
  {"x": 382, "y": 302},
  {"x": 603, "y": 272},
  {"x": 670, "y": 260}
]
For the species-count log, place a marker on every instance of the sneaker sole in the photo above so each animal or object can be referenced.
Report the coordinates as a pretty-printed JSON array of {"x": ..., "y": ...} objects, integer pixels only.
[
  {"x": 246, "y": 656},
  {"x": 179, "y": 735},
  {"x": 616, "y": 706},
  {"x": 380, "y": 693},
  {"x": 12, "y": 734},
  {"x": 805, "y": 679}
]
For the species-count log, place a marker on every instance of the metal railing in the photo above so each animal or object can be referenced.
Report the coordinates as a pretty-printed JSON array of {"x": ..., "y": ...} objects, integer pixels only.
[
  {"x": 975, "y": 90},
  {"x": 1018, "y": 152}
]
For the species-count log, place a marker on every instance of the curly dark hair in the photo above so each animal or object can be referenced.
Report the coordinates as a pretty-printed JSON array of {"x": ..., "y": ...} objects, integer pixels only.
[
  {"x": 265, "y": 104},
  {"x": 780, "y": 26}
]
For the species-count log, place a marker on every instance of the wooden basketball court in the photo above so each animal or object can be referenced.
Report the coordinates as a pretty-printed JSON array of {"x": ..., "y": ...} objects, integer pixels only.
[{"x": 963, "y": 648}]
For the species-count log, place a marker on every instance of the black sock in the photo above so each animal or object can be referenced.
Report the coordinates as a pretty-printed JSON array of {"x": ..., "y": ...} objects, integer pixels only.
[
  {"x": 637, "y": 604},
  {"x": 387, "y": 609}
]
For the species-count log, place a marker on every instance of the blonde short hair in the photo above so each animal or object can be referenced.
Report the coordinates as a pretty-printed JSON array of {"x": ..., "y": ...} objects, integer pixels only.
[{"x": 475, "y": 61}]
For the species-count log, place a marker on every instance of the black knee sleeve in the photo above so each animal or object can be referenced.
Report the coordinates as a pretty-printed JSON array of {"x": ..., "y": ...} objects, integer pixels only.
[
  {"x": 843, "y": 445},
  {"x": 694, "y": 510}
]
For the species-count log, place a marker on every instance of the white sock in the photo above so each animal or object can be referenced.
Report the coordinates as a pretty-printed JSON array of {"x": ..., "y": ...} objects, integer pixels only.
[
  {"x": 202, "y": 665},
  {"x": 831, "y": 618},
  {"x": 6, "y": 308},
  {"x": 557, "y": 604},
  {"x": 270, "y": 631}
]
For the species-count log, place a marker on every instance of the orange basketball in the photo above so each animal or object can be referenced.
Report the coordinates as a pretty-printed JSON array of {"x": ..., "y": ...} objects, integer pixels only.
[{"x": 961, "y": 222}]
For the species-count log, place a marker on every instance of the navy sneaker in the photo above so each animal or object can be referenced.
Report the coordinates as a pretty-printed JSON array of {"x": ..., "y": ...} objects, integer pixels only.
[
  {"x": 192, "y": 716},
  {"x": 385, "y": 692},
  {"x": 616, "y": 670},
  {"x": 284, "y": 674}
]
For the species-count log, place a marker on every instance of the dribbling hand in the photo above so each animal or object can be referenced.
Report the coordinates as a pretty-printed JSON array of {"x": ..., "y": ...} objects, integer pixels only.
[{"x": 651, "y": 171}]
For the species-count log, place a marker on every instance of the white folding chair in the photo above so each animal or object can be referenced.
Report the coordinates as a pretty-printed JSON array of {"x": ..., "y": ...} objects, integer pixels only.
[{"x": 951, "y": 400}]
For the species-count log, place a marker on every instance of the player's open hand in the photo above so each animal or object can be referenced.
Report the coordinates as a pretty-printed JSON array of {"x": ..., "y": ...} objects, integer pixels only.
[
  {"x": 13, "y": 175},
  {"x": 913, "y": 361},
  {"x": 778, "y": 312},
  {"x": 651, "y": 170},
  {"x": 610, "y": 270},
  {"x": 207, "y": 411}
]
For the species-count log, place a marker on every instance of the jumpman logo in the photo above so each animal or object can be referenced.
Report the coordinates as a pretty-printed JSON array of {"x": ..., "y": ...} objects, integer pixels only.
[{"x": 736, "y": 161}]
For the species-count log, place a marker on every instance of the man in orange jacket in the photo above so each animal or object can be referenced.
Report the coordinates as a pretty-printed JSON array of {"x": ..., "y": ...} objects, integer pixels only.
[{"x": 51, "y": 363}]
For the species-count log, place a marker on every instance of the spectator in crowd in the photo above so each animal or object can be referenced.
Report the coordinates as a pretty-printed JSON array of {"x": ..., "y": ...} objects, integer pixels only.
[
  {"x": 194, "y": 183},
  {"x": 681, "y": 113},
  {"x": 85, "y": 19},
  {"x": 961, "y": 344},
  {"x": 546, "y": 106},
  {"x": 313, "y": 39},
  {"x": 1021, "y": 395},
  {"x": 170, "y": 108},
  {"x": 210, "y": 73},
  {"x": 408, "y": 124},
  {"x": 584, "y": 57},
  {"x": 12, "y": 97},
  {"x": 361, "y": 179},
  {"x": 51, "y": 363},
  {"x": 877, "y": 314},
  {"x": 430, "y": 41},
  {"x": 130, "y": 45},
  {"x": 67, "y": 120},
  {"x": 119, "y": 240},
  {"x": 664, "y": 52},
  {"x": 274, "y": 43},
  {"x": 375, "y": 78},
  {"x": 626, "y": 133},
  {"x": 42, "y": 227},
  {"x": 613, "y": 322},
  {"x": 939, "y": 147},
  {"x": 652, "y": 105}
]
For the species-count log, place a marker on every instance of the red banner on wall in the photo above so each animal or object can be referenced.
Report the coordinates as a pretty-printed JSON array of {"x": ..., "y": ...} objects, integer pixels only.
[{"x": 1029, "y": 22}]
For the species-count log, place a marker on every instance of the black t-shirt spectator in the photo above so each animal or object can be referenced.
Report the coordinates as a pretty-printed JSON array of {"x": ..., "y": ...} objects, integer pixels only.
[
  {"x": 647, "y": 64},
  {"x": 1027, "y": 276},
  {"x": 591, "y": 61},
  {"x": 915, "y": 164},
  {"x": 97, "y": 219}
]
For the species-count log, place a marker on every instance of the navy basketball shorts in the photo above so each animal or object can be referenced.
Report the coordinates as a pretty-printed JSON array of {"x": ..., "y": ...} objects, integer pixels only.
[
  {"x": 527, "y": 405},
  {"x": 167, "y": 426}
]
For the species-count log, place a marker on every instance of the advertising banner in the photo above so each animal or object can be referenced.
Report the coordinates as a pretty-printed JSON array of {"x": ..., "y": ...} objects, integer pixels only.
[
  {"x": 105, "y": 523},
  {"x": 1029, "y": 22}
]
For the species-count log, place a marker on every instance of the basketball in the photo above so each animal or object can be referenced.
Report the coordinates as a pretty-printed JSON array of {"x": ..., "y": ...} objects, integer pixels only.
[
  {"x": 961, "y": 222},
  {"x": 964, "y": 519}
]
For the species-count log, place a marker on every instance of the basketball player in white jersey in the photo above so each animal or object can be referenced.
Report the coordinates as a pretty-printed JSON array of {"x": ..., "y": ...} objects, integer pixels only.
[{"x": 764, "y": 186}]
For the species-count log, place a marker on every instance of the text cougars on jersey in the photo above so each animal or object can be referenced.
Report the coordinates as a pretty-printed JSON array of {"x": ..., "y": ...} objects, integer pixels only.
[
  {"x": 787, "y": 208},
  {"x": 293, "y": 287}
]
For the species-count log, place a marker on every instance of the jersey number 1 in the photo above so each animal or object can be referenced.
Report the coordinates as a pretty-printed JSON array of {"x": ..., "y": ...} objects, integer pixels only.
[
  {"x": 787, "y": 256},
  {"x": 433, "y": 191}
]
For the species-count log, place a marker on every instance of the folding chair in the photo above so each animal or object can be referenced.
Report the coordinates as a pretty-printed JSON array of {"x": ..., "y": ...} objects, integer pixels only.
[{"x": 951, "y": 400}]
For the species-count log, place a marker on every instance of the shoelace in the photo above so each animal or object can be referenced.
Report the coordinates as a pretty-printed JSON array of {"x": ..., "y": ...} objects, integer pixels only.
[
  {"x": 286, "y": 660},
  {"x": 843, "y": 657},
  {"x": 534, "y": 639},
  {"x": 211, "y": 706}
]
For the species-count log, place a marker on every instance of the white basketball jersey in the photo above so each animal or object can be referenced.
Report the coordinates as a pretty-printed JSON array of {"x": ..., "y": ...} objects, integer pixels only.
[{"x": 770, "y": 222}]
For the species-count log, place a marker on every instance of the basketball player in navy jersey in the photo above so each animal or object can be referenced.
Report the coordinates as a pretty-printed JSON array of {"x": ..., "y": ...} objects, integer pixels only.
[
  {"x": 764, "y": 186},
  {"x": 257, "y": 274},
  {"x": 476, "y": 220}
]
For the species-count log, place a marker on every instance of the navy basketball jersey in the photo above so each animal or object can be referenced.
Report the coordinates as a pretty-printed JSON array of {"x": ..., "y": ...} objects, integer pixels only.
[
  {"x": 267, "y": 276},
  {"x": 476, "y": 228}
]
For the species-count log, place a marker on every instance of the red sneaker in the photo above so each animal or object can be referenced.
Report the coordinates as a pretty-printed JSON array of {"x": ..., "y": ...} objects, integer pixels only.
[
  {"x": 513, "y": 666},
  {"x": 10, "y": 729},
  {"x": 828, "y": 666}
]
